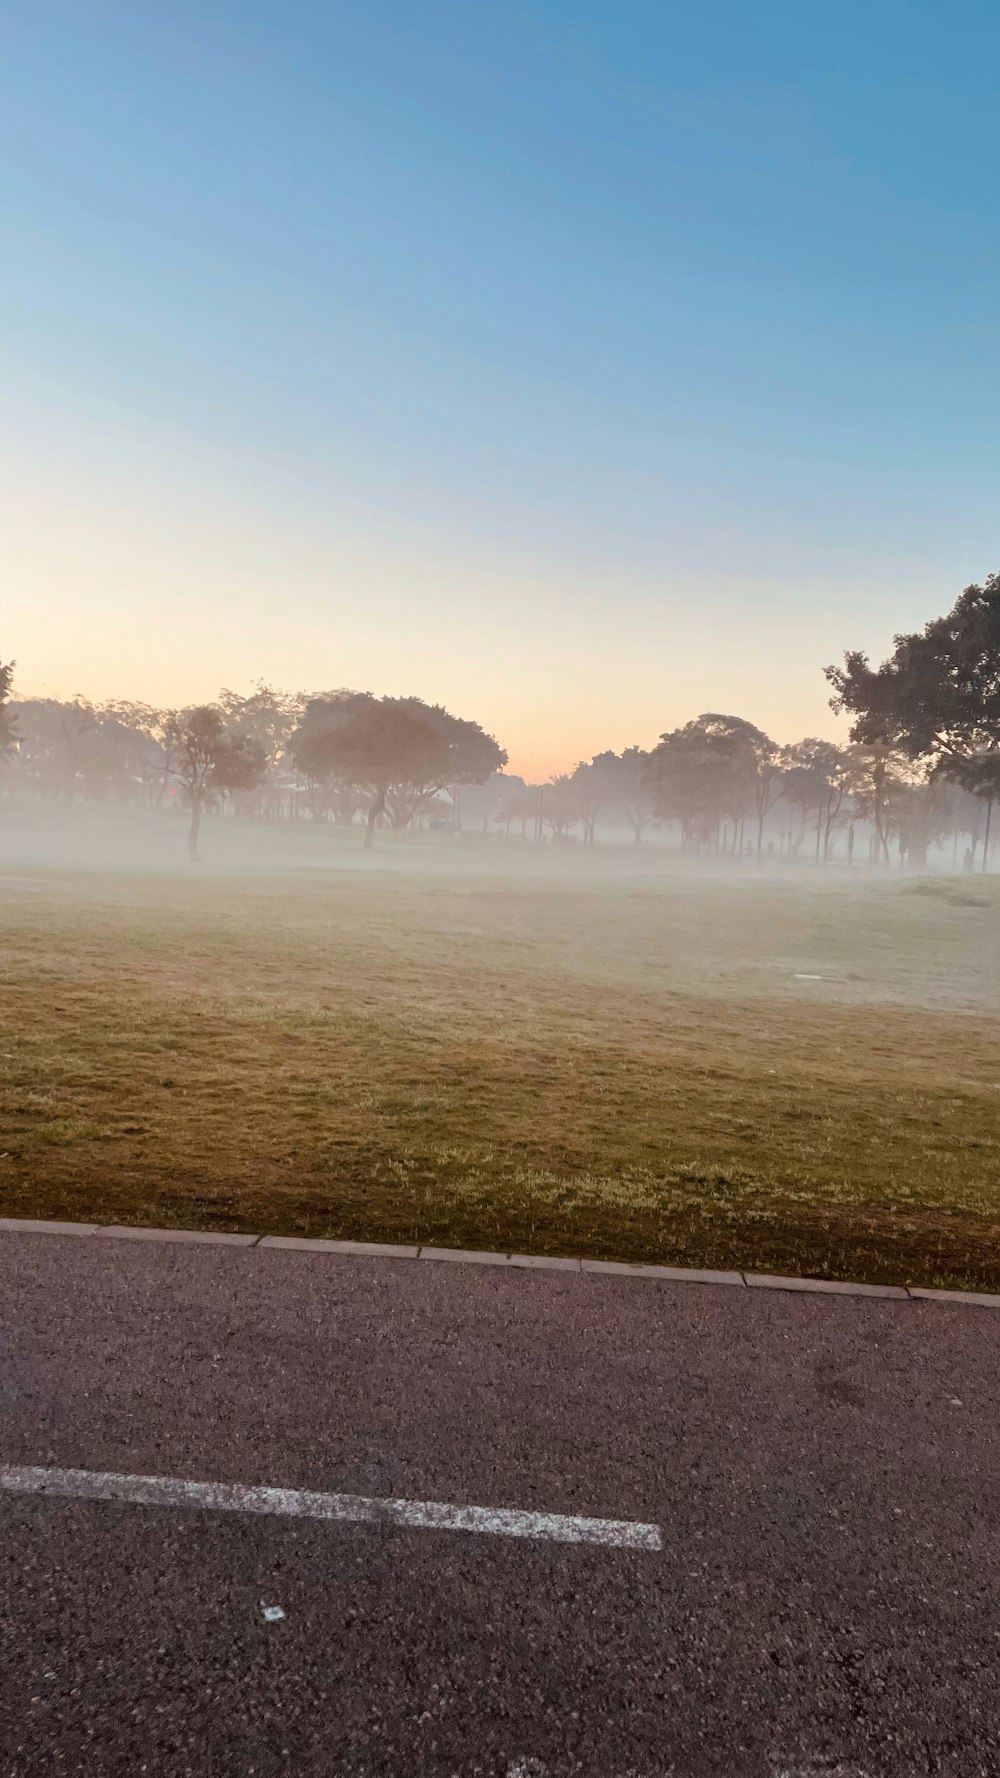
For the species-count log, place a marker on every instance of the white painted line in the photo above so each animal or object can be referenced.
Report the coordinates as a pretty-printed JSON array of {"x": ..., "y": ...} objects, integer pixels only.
[{"x": 297, "y": 1503}]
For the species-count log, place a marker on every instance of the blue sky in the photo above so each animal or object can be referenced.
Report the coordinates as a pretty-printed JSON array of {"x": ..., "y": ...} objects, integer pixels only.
[{"x": 581, "y": 366}]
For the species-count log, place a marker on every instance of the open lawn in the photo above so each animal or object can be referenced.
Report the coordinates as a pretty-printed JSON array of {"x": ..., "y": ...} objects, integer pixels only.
[{"x": 637, "y": 1066}]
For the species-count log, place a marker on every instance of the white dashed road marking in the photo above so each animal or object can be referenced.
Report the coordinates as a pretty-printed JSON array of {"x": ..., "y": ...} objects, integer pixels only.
[{"x": 410, "y": 1515}]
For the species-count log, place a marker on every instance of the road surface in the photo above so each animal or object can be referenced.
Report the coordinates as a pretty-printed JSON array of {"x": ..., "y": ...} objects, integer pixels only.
[{"x": 788, "y": 1561}]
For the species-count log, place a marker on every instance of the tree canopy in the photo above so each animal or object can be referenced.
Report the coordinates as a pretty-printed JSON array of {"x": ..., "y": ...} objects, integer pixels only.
[
  {"x": 706, "y": 772},
  {"x": 8, "y": 727},
  {"x": 936, "y": 698},
  {"x": 206, "y": 757},
  {"x": 398, "y": 752},
  {"x": 938, "y": 694}
]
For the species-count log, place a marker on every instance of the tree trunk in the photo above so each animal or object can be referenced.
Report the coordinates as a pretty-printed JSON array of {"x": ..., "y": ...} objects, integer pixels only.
[
  {"x": 373, "y": 814},
  {"x": 194, "y": 830},
  {"x": 986, "y": 836}
]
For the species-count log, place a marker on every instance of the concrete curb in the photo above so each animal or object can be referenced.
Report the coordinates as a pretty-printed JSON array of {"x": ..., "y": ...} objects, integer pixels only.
[{"x": 535, "y": 1262}]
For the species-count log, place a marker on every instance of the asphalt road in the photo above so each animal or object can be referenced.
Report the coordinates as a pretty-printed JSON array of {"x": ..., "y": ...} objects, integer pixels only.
[{"x": 824, "y": 1473}]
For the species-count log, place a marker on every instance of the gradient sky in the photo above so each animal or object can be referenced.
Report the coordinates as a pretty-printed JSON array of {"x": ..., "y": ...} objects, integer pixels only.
[{"x": 580, "y": 364}]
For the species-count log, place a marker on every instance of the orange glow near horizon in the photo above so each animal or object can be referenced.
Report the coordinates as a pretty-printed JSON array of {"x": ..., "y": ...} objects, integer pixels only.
[{"x": 165, "y": 594}]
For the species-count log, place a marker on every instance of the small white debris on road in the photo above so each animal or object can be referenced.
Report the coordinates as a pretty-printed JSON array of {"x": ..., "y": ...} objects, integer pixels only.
[{"x": 270, "y": 1613}]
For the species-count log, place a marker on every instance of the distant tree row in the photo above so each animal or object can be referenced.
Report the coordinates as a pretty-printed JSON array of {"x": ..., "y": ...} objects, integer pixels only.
[
  {"x": 922, "y": 762},
  {"x": 345, "y": 752}
]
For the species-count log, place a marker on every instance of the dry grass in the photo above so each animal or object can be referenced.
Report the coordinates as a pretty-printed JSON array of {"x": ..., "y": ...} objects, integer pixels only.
[{"x": 578, "y": 1066}]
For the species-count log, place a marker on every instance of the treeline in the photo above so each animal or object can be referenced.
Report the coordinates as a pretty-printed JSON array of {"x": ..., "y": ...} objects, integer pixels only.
[{"x": 921, "y": 766}]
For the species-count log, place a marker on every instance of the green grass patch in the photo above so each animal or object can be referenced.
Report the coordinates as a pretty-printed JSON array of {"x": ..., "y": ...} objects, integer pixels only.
[{"x": 638, "y": 1068}]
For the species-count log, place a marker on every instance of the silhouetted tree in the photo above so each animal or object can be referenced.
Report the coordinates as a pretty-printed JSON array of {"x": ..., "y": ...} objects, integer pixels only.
[
  {"x": 559, "y": 804},
  {"x": 706, "y": 772},
  {"x": 816, "y": 777},
  {"x": 979, "y": 774},
  {"x": 483, "y": 803},
  {"x": 468, "y": 755},
  {"x": 310, "y": 751},
  {"x": 922, "y": 814},
  {"x": 629, "y": 794},
  {"x": 937, "y": 697},
  {"x": 612, "y": 781},
  {"x": 137, "y": 754},
  {"x": 587, "y": 794},
  {"x": 54, "y": 739},
  {"x": 8, "y": 726},
  {"x": 207, "y": 760},
  {"x": 372, "y": 744},
  {"x": 518, "y": 802},
  {"x": 264, "y": 715},
  {"x": 768, "y": 779},
  {"x": 399, "y": 752}
]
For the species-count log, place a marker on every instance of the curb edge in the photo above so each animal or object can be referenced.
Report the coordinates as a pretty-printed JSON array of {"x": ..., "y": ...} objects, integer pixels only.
[{"x": 655, "y": 1274}]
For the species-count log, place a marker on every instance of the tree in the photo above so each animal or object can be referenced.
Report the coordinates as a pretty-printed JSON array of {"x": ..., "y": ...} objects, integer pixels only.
[
  {"x": 979, "y": 774},
  {"x": 206, "y": 759},
  {"x": 613, "y": 781},
  {"x": 398, "y": 752},
  {"x": 483, "y": 802},
  {"x": 137, "y": 742},
  {"x": 922, "y": 814},
  {"x": 768, "y": 780},
  {"x": 54, "y": 740},
  {"x": 707, "y": 772},
  {"x": 8, "y": 726},
  {"x": 877, "y": 776},
  {"x": 264, "y": 715},
  {"x": 269, "y": 718},
  {"x": 815, "y": 775},
  {"x": 628, "y": 790},
  {"x": 518, "y": 802},
  {"x": 468, "y": 755},
  {"x": 586, "y": 793},
  {"x": 309, "y": 751},
  {"x": 372, "y": 744},
  {"x": 937, "y": 697},
  {"x": 559, "y": 804}
]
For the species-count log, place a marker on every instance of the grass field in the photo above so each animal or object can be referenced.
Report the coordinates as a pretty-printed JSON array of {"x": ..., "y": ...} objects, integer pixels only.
[{"x": 635, "y": 1066}]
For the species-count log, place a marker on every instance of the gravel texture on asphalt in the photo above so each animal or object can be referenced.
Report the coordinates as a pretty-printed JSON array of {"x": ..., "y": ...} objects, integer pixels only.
[{"x": 825, "y": 1471}]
